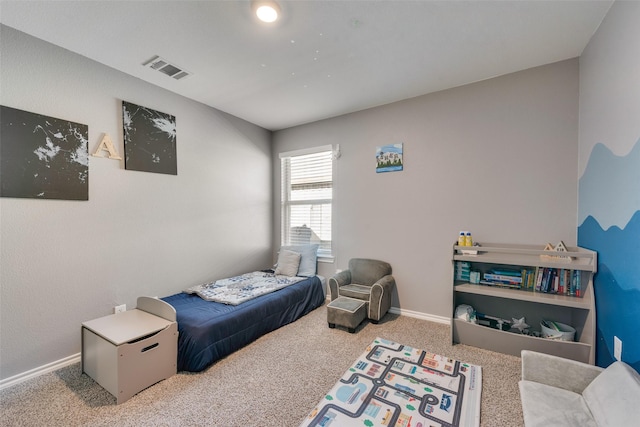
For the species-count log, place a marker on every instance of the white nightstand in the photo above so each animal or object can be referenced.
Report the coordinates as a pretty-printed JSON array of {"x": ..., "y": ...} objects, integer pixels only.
[{"x": 130, "y": 351}]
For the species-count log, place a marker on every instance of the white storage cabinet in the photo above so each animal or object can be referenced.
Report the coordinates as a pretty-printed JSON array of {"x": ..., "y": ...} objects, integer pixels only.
[{"x": 130, "y": 351}]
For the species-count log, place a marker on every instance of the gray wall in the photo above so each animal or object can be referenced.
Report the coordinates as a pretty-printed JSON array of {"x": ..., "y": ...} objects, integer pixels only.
[
  {"x": 497, "y": 157},
  {"x": 65, "y": 262}
]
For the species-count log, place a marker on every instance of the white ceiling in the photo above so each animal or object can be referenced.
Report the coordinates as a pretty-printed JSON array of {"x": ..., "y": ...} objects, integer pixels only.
[{"x": 323, "y": 58}]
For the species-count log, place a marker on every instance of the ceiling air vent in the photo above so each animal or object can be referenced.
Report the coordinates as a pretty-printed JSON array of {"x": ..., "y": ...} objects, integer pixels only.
[{"x": 164, "y": 66}]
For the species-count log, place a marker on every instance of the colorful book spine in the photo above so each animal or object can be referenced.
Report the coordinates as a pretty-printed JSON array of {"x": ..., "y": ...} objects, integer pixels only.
[
  {"x": 539, "y": 274},
  {"x": 560, "y": 281},
  {"x": 502, "y": 278},
  {"x": 531, "y": 279},
  {"x": 546, "y": 279}
]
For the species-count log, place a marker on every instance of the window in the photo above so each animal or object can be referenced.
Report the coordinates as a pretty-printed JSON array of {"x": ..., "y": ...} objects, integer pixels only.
[{"x": 307, "y": 193}]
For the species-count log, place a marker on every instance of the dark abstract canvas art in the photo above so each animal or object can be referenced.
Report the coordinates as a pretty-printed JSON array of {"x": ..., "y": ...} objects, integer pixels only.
[
  {"x": 149, "y": 140},
  {"x": 42, "y": 157}
]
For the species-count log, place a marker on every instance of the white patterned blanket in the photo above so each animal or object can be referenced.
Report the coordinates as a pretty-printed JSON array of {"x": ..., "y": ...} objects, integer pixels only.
[{"x": 238, "y": 289}]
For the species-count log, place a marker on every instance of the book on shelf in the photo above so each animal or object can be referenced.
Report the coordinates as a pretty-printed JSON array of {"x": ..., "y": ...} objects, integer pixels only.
[
  {"x": 530, "y": 278},
  {"x": 539, "y": 274},
  {"x": 492, "y": 277},
  {"x": 462, "y": 270},
  {"x": 506, "y": 272},
  {"x": 565, "y": 281},
  {"x": 560, "y": 281},
  {"x": 550, "y": 280},
  {"x": 576, "y": 285},
  {"x": 503, "y": 277},
  {"x": 501, "y": 284}
]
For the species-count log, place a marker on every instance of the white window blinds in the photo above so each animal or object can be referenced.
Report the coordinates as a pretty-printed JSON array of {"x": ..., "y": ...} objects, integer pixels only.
[{"x": 307, "y": 193}]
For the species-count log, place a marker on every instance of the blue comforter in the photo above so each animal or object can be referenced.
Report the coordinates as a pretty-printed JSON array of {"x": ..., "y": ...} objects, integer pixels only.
[{"x": 209, "y": 331}]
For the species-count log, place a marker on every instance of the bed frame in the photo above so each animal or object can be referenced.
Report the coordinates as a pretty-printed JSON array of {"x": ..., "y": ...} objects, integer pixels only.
[{"x": 209, "y": 331}]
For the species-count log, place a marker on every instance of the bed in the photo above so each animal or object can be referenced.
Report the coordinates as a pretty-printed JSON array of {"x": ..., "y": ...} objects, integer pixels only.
[{"x": 209, "y": 331}]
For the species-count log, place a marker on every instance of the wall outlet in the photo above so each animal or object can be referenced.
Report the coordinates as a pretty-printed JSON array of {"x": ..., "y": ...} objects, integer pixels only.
[
  {"x": 617, "y": 348},
  {"x": 120, "y": 308}
]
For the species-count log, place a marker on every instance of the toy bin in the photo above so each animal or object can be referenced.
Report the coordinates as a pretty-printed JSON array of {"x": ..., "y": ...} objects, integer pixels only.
[{"x": 130, "y": 351}]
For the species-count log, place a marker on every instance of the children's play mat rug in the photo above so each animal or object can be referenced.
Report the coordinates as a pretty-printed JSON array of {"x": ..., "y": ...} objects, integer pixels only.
[{"x": 395, "y": 385}]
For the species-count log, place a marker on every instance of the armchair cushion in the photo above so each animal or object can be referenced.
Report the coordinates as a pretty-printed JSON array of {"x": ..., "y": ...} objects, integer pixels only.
[
  {"x": 560, "y": 392},
  {"x": 545, "y": 405},
  {"x": 356, "y": 291},
  {"x": 613, "y": 396}
]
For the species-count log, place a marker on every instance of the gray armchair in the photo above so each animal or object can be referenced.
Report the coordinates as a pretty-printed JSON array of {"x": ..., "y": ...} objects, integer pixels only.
[{"x": 368, "y": 280}]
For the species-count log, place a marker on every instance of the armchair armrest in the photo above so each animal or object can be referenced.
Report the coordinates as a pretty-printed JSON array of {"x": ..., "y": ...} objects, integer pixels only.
[
  {"x": 385, "y": 284},
  {"x": 339, "y": 279},
  {"x": 557, "y": 371},
  {"x": 380, "y": 299}
]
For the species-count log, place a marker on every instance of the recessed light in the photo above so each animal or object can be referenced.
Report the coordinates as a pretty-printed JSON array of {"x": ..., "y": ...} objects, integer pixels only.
[{"x": 266, "y": 11}]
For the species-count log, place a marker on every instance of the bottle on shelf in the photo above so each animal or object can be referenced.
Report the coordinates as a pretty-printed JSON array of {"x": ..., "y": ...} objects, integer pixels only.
[
  {"x": 468, "y": 241},
  {"x": 461, "y": 239}
]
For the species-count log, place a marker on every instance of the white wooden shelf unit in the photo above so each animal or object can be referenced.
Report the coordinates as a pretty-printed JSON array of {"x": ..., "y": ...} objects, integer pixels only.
[{"x": 508, "y": 303}]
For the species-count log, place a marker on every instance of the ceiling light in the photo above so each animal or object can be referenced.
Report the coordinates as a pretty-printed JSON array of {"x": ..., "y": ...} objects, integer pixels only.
[{"x": 267, "y": 11}]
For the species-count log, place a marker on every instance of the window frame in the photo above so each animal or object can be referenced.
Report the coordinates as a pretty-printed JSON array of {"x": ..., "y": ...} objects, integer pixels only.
[{"x": 324, "y": 255}]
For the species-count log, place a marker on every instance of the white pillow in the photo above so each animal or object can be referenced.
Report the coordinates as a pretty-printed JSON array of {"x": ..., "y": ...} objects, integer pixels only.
[
  {"x": 308, "y": 260},
  {"x": 288, "y": 263}
]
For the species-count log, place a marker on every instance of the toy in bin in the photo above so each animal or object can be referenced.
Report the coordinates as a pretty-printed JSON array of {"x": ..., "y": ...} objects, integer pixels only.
[
  {"x": 557, "y": 331},
  {"x": 465, "y": 312},
  {"x": 468, "y": 314},
  {"x": 493, "y": 322}
]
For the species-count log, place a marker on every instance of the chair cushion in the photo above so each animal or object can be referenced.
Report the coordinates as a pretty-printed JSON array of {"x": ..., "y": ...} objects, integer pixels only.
[
  {"x": 547, "y": 406},
  {"x": 354, "y": 290},
  {"x": 614, "y": 396}
]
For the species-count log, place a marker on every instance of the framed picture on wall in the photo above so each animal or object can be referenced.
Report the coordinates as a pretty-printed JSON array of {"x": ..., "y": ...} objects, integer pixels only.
[
  {"x": 149, "y": 140},
  {"x": 389, "y": 158},
  {"x": 42, "y": 157}
]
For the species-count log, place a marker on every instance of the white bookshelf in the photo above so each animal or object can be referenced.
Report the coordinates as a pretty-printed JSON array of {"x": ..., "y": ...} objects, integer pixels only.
[{"x": 508, "y": 303}]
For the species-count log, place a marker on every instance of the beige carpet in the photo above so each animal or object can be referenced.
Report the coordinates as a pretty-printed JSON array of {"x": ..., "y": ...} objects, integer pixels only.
[{"x": 274, "y": 381}]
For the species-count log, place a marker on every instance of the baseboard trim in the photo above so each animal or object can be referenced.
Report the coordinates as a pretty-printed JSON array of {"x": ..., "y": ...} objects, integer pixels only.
[
  {"x": 423, "y": 316},
  {"x": 415, "y": 314},
  {"x": 411, "y": 313},
  {"x": 36, "y": 372}
]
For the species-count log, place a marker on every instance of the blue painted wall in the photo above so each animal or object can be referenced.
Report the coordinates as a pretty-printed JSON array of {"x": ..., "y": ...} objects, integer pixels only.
[{"x": 609, "y": 183}]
